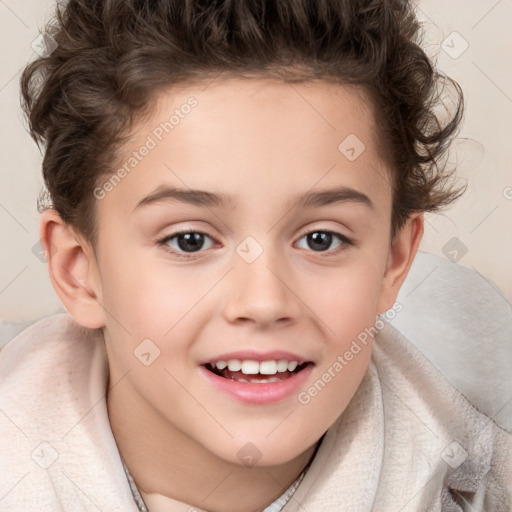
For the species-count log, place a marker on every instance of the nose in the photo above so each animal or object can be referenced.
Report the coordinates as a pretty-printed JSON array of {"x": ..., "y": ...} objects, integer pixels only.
[{"x": 261, "y": 293}]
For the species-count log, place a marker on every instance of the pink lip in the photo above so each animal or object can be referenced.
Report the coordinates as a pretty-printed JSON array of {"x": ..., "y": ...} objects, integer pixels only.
[
  {"x": 256, "y": 356},
  {"x": 258, "y": 393}
]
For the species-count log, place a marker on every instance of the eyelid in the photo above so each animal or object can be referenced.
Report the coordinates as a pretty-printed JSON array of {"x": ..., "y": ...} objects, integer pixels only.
[{"x": 344, "y": 237}]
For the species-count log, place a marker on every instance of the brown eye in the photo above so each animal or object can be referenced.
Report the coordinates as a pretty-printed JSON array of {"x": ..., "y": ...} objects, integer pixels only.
[
  {"x": 321, "y": 241},
  {"x": 188, "y": 242}
]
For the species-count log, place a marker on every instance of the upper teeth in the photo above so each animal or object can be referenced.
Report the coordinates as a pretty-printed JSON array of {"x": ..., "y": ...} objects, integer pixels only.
[{"x": 250, "y": 367}]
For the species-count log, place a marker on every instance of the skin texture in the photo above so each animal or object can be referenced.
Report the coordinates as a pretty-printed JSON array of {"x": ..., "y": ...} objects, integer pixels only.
[{"x": 262, "y": 142}]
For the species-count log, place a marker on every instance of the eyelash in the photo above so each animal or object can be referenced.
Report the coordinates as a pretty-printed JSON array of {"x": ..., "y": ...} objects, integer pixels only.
[{"x": 345, "y": 242}]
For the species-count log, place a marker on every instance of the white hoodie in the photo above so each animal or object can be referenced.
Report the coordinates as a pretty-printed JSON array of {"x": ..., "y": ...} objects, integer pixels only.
[{"x": 408, "y": 441}]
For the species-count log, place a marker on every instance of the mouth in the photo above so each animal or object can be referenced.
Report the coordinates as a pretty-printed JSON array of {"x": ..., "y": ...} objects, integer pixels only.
[{"x": 256, "y": 372}]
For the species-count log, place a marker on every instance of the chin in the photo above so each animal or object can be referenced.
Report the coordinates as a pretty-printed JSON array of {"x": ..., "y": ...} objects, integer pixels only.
[{"x": 261, "y": 451}]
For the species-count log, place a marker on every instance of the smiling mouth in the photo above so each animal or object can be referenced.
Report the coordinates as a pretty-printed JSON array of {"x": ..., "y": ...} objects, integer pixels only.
[{"x": 253, "y": 372}]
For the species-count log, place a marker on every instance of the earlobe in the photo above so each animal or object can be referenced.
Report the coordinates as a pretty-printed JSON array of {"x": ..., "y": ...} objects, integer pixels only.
[
  {"x": 72, "y": 270},
  {"x": 404, "y": 247}
]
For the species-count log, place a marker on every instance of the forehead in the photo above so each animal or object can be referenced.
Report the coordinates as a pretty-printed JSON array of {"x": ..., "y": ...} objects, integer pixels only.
[{"x": 260, "y": 134}]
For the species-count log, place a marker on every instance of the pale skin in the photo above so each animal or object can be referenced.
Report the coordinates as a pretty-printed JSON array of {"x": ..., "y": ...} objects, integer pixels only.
[{"x": 263, "y": 144}]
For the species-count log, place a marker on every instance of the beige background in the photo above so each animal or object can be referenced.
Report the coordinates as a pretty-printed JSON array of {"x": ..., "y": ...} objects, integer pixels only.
[{"x": 477, "y": 231}]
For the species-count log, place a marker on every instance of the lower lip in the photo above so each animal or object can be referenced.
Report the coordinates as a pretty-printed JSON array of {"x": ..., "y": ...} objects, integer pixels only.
[{"x": 258, "y": 393}]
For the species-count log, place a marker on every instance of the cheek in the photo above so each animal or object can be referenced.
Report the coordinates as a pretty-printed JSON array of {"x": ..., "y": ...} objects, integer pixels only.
[
  {"x": 335, "y": 384},
  {"x": 349, "y": 308},
  {"x": 349, "y": 311},
  {"x": 346, "y": 299},
  {"x": 152, "y": 302},
  {"x": 141, "y": 296}
]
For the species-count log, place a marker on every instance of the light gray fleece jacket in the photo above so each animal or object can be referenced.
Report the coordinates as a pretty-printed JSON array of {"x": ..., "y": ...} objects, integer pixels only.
[{"x": 408, "y": 441}]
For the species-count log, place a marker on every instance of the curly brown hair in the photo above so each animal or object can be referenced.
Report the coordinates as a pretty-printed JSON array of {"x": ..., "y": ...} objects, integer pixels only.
[{"x": 113, "y": 57}]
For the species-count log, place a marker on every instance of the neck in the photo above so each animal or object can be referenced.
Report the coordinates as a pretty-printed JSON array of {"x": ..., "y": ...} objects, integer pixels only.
[{"x": 165, "y": 460}]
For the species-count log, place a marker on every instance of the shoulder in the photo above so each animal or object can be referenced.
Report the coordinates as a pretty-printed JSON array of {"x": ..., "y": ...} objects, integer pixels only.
[
  {"x": 462, "y": 322},
  {"x": 49, "y": 342},
  {"x": 437, "y": 433},
  {"x": 53, "y": 378}
]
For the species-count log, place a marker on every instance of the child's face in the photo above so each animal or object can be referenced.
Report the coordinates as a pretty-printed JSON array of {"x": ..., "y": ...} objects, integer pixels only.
[{"x": 255, "y": 285}]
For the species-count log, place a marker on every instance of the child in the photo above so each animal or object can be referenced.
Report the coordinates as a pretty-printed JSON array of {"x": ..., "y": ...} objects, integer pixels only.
[{"x": 236, "y": 197}]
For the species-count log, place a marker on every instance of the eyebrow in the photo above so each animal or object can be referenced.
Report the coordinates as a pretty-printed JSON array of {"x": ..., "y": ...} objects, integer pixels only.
[{"x": 310, "y": 199}]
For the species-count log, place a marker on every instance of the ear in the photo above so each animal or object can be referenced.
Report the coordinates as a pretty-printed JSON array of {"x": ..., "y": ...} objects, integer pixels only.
[
  {"x": 404, "y": 247},
  {"x": 73, "y": 270}
]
